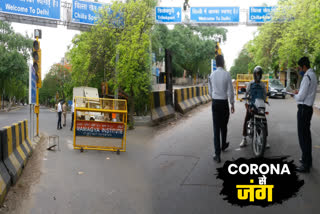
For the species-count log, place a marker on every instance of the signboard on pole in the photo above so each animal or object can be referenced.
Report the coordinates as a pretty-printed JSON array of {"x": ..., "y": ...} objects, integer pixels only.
[
  {"x": 32, "y": 85},
  {"x": 260, "y": 14},
  {"x": 168, "y": 15},
  {"x": 213, "y": 65},
  {"x": 85, "y": 12},
  {"x": 36, "y": 8},
  {"x": 214, "y": 14}
]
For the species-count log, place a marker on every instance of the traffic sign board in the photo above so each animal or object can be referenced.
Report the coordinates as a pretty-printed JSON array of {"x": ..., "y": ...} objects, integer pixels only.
[
  {"x": 85, "y": 12},
  {"x": 214, "y": 14},
  {"x": 168, "y": 14},
  {"x": 260, "y": 14},
  {"x": 213, "y": 65},
  {"x": 32, "y": 85},
  {"x": 42, "y": 9}
]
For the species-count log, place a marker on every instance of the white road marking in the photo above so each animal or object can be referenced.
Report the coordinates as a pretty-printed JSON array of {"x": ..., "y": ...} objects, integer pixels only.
[{"x": 70, "y": 144}]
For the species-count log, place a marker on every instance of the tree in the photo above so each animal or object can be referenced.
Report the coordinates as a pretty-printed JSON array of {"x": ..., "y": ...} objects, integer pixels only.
[
  {"x": 58, "y": 80},
  {"x": 192, "y": 47},
  {"x": 14, "y": 53},
  {"x": 241, "y": 65},
  {"x": 293, "y": 33},
  {"x": 117, "y": 49}
]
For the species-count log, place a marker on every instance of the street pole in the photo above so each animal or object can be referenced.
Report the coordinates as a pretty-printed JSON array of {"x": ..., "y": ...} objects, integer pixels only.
[
  {"x": 37, "y": 108},
  {"x": 30, "y": 122}
]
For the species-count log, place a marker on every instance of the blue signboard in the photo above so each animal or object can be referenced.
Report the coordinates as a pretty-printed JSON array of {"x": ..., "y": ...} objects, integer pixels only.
[
  {"x": 32, "y": 86},
  {"x": 49, "y": 9},
  {"x": 85, "y": 12},
  {"x": 213, "y": 65},
  {"x": 214, "y": 14},
  {"x": 168, "y": 14},
  {"x": 260, "y": 14}
]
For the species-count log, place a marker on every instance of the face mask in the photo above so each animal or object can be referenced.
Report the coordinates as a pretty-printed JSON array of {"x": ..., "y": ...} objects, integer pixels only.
[{"x": 301, "y": 73}]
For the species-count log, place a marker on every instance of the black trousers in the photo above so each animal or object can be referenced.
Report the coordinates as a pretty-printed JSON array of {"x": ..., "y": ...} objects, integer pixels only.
[
  {"x": 304, "y": 118},
  {"x": 59, "y": 120},
  {"x": 72, "y": 120},
  {"x": 220, "y": 116}
]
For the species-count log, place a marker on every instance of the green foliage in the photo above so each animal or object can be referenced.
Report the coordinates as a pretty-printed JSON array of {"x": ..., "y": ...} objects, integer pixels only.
[
  {"x": 117, "y": 53},
  {"x": 241, "y": 64},
  {"x": 192, "y": 47},
  {"x": 295, "y": 32},
  {"x": 14, "y": 53},
  {"x": 57, "y": 80}
]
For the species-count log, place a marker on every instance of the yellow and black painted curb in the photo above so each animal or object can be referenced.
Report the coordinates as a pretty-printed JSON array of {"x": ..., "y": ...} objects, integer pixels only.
[
  {"x": 161, "y": 105},
  {"x": 187, "y": 98},
  {"x": 15, "y": 149},
  {"x": 204, "y": 94},
  {"x": 5, "y": 178}
]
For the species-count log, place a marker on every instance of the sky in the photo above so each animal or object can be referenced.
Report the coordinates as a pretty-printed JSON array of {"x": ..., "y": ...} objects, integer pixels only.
[{"x": 55, "y": 41}]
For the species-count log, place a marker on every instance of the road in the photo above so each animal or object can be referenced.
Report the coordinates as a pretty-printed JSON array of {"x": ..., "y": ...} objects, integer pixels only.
[{"x": 166, "y": 169}]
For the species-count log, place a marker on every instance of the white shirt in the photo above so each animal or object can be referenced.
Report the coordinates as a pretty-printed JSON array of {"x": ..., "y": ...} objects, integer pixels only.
[
  {"x": 308, "y": 89},
  {"x": 72, "y": 108},
  {"x": 220, "y": 85},
  {"x": 59, "y": 107}
]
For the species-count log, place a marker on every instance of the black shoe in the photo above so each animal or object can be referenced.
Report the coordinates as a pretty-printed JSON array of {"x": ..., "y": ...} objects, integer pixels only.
[
  {"x": 300, "y": 160},
  {"x": 303, "y": 169},
  {"x": 225, "y": 146},
  {"x": 217, "y": 159}
]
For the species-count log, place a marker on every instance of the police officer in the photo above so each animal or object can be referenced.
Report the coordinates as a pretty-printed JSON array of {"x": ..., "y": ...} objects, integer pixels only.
[{"x": 305, "y": 98}]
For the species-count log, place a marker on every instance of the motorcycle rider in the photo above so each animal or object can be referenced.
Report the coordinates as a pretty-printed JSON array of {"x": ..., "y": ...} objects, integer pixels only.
[{"x": 255, "y": 89}]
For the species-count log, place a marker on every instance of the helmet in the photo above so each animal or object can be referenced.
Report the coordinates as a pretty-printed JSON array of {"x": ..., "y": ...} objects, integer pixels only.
[{"x": 257, "y": 73}]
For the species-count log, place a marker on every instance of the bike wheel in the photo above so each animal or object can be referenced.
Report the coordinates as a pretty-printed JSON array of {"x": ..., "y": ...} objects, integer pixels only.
[{"x": 259, "y": 140}]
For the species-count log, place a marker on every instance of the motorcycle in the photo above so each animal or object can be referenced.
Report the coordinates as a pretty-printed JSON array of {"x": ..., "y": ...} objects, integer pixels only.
[{"x": 257, "y": 125}]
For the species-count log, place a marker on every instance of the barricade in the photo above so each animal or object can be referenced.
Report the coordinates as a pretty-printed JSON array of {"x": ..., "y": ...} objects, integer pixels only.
[
  {"x": 16, "y": 148},
  {"x": 100, "y": 124},
  {"x": 26, "y": 142},
  {"x": 204, "y": 94},
  {"x": 185, "y": 99},
  {"x": 4, "y": 174},
  {"x": 161, "y": 105}
]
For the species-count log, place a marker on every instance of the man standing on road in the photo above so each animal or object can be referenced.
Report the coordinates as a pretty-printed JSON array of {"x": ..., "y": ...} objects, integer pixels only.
[
  {"x": 64, "y": 112},
  {"x": 72, "y": 117},
  {"x": 305, "y": 98},
  {"x": 220, "y": 88},
  {"x": 59, "y": 116}
]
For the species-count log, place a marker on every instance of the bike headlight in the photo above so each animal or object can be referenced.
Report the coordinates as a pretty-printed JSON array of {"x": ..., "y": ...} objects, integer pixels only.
[{"x": 261, "y": 110}]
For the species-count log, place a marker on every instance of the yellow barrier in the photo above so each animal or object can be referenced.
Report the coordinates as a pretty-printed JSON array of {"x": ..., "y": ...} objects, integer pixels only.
[
  {"x": 100, "y": 124},
  {"x": 246, "y": 78}
]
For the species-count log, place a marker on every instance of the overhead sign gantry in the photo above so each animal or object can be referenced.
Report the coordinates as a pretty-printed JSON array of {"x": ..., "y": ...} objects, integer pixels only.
[{"x": 41, "y": 9}]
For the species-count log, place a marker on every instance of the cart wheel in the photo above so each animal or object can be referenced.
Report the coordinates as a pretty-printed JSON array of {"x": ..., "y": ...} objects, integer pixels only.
[
  {"x": 81, "y": 150},
  {"x": 118, "y": 152}
]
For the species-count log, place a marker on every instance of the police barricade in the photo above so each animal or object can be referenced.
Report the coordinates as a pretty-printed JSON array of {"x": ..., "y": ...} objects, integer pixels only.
[
  {"x": 243, "y": 81},
  {"x": 161, "y": 105},
  {"x": 100, "y": 124}
]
